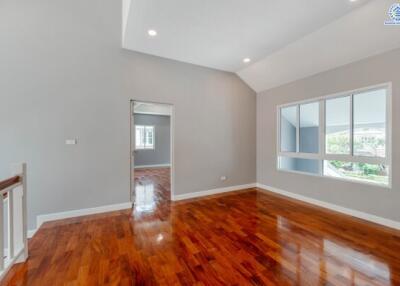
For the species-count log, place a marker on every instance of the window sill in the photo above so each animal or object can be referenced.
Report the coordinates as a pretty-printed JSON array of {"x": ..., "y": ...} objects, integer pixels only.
[{"x": 353, "y": 181}]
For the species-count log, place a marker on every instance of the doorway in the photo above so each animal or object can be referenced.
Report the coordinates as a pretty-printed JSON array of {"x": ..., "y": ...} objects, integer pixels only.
[{"x": 152, "y": 145}]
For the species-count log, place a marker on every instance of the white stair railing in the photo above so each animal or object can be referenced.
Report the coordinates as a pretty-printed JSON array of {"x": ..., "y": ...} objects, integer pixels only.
[{"x": 13, "y": 220}]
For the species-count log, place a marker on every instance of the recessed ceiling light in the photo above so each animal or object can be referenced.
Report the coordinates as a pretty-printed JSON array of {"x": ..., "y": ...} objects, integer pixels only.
[
  {"x": 353, "y": 0},
  {"x": 152, "y": 33},
  {"x": 246, "y": 60}
]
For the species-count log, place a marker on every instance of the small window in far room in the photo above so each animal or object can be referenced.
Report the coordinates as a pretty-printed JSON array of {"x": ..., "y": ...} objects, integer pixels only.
[{"x": 144, "y": 137}]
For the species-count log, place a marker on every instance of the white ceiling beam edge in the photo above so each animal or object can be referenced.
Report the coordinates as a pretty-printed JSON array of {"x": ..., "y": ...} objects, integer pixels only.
[
  {"x": 355, "y": 36},
  {"x": 126, "y": 6}
]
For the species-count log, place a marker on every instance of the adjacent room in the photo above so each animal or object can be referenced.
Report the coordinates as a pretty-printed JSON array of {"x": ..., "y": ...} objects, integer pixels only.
[
  {"x": 185, "y": 142},
  {"x": 151, "y": 147}
]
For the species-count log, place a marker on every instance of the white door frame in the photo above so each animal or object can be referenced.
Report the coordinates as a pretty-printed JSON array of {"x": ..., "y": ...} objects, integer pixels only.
[{"x": 132, "y": 148}]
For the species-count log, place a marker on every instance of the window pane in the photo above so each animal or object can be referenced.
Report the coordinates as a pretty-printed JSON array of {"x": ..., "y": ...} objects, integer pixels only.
[
  {"x": 288, "y": 129},
  {"x": 149, "y": 144},
  {"x": 370, "y": 123},
  {"x": 139, "y": 137},
  {"x": 298, "y": 164},
  {"x": 357, "y": 171},
  {"x": 337, "y": 112},
  {"x": 309, "y": 127}
]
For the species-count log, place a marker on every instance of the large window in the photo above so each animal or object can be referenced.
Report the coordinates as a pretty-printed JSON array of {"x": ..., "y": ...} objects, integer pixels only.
[
  {"x": 288, "y": 129},
  {"x": 309, "y": 128},
  {"x": 343, "y": 136},
  {"x": 337, "y": 125},
  {"x": 144, "y": 137}
]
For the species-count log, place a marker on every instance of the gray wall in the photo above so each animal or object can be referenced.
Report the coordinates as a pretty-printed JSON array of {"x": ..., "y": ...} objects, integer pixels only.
[
  {"x": 370, "y": 199},
  {"x": 64, "y": 75},
  {"x": 162, "y": 148}
]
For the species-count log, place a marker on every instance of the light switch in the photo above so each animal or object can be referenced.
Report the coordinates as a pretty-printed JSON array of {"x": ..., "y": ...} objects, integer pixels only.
[{"x": 71, "y": 142}]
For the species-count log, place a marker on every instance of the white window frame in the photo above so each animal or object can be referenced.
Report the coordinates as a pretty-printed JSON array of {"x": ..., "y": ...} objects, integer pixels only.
[
  {"x": 321, "y": 155},
  {"x": 144, "y": 143}
]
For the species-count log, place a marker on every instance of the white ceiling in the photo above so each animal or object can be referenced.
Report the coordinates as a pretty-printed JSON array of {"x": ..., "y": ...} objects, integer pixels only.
[
  {"x": 357, "y": 35},
  {"x": 286, "y": 40},
  {"x": 220, "y": 33}
]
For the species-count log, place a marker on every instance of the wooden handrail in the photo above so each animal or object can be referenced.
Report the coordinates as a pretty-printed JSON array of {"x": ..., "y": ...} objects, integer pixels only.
[{"x": 9, "y": 182}]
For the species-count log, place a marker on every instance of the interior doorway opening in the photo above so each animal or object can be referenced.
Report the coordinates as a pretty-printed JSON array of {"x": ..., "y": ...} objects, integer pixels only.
[{"x": 152, "y": 168}]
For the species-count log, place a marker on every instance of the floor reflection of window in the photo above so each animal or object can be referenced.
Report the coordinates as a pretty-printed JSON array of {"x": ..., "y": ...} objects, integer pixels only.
[
  {"x": 355, "y": 266},
  {"x": 297, "y": 252},
  {"x": 316, "y": 260},
  {"x": 145, "y": 198}
]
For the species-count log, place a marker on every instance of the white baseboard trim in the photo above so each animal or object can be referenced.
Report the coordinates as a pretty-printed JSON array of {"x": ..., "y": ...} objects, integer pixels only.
[
  {"x": 152, "y": 166},
  {"x": 358, "y": 214},
  {"x": 212, "y": 192},
  {"x": 19, "y": 257},
  {"x": 108, "y": 208},
  {"x": 40, "y": 219},
  {"x": 31, "y": 233}
]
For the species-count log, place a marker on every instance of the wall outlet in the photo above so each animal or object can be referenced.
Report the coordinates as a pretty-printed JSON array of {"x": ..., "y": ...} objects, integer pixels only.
[
  {"x": 71, "y": 142},
  {"x": 223, "y": 178}
]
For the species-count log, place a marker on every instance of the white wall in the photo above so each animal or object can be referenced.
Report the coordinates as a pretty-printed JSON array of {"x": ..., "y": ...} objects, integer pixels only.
[
  {"x": 63, "y": 75},
  {"x": 369, "y": 199}
]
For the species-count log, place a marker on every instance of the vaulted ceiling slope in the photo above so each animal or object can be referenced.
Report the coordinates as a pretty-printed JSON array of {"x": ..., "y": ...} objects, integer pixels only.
[
  {"x": 221, "y": 33},
  {"x": 358, "y": 35},
  {"x": 285, "y": 40}
]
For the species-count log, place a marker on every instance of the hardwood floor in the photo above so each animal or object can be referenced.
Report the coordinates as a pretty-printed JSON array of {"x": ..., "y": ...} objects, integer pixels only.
[
  {"x": 152, "y": 187},
  {"x": 244, "y": 238}
]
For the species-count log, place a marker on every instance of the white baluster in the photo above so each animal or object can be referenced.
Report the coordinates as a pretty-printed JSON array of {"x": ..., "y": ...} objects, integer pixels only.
[
  {"x": 2, "y": 231},
  {"x": 25, "y": 212},
  {"x": 10, "y": 224},
  {"x": 20, "y": 214}
]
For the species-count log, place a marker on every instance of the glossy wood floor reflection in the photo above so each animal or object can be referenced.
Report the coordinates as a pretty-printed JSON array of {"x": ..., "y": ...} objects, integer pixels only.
[
  {"x": 244, "y": 238},
  {"x": 152, "y": 187}
]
